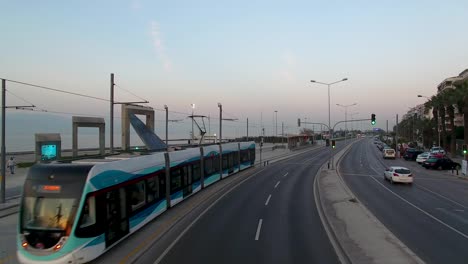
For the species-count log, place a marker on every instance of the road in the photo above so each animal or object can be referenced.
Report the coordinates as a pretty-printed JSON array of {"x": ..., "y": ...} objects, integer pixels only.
[
  {"x": 270, "y": 218},
  {"x": 430, "y": 217}
]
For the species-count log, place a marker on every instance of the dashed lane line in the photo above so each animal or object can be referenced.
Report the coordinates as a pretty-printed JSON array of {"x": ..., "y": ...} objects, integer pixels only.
[{"x": 259, "y": 228}]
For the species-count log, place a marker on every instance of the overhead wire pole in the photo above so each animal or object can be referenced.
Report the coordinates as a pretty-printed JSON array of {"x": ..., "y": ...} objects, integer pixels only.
[
  {"x": 3, "y": 154},
  {"x": 247, "y": 129},
  {"x": 167, "y": 126},
  {"x": 111, "y": 139},
  {"x": 3, "y": 141}
]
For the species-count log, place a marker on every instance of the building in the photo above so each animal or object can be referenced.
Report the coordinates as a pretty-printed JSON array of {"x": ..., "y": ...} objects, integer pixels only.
[{"x": 450, "y": 83}]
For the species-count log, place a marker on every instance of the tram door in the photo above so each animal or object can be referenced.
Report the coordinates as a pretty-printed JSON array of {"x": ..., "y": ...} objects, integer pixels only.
[{"x": 116, "y": 216}]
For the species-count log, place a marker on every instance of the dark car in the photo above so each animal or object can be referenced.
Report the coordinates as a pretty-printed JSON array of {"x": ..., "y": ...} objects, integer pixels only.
[
  {"x": 440, "y": 163},
  {"x": 411, "y": 154}
]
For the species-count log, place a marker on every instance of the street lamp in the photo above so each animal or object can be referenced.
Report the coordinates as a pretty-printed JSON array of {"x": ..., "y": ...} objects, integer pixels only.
[
  {"x": 346, "y": 116},
  {"x": 329, "y": 122},
  {"x": 193, "y": 107},
  {"x": 276, "y": 123}
]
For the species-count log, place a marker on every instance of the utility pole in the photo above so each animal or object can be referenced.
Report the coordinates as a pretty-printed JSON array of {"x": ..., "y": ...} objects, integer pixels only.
[
  {"x": 396, "y": 135},
  {"x": 111, "y": 139},
  {"x": 247, "y": 129},
  {"x": 3, "y": 141},
  {"x": 282, "y": 132},
  {"x": 167, "y": 127},
  {"x": 386, "y": 135},
  {"x": 220, "y": 122}
]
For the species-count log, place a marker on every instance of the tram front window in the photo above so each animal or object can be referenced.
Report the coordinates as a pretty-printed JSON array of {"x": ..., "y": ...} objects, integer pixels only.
[{"x": 45, "y": 220}]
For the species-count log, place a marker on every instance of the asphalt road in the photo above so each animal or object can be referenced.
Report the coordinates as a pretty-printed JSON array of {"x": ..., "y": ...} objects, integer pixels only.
[
  {"x": 270, "y": 218},
  {"x": 430, "y": 217}
]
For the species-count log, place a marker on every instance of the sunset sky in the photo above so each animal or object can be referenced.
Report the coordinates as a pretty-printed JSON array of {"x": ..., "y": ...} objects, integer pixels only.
[{"x": 254, "y": 57}]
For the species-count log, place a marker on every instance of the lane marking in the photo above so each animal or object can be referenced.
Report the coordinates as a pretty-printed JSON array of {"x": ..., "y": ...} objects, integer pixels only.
[
  {"x": 277, "y": 184},
  {"x": 422, "y": 211},
  {"x": 164, "y": 253},
  {"x": 459, "y": 210},
  {"x": 357, "y": 174},
  {"x": 286, "y": 174},
  {"x": 440, "y": 195},
  {"x": 268, "y": 200},
  {"x": 259, "y": 227}
]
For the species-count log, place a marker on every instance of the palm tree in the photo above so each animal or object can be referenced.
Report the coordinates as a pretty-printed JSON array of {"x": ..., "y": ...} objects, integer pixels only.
[
  {"x": 435, "y": 104},
  {"x": 448, "y": 99},
  {"x": 461, "y": 93}
]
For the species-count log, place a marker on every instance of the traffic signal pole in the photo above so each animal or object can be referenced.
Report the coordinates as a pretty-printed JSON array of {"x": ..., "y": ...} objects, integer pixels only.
[{"x": 331, "y": 160}]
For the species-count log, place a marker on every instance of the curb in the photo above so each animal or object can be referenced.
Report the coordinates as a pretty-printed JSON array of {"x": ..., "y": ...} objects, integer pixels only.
[{"x": 342, "y": 252}]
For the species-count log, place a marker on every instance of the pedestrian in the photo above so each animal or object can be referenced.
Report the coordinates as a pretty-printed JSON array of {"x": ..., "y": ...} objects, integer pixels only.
[{"x": 11, "y": 163}]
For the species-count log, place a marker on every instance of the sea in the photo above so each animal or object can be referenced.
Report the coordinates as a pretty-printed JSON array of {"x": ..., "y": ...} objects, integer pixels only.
[{"x": 21, "y": 127}]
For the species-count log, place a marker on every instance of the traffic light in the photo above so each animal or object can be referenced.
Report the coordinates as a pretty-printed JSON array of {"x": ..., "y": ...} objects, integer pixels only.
[
  {"x": 298, "y": 122},
  {"x": 327, "y": 142},
  {"x": 372, "y": 119},
  {"x": 464, "y": 149},
  {"x": 333, "y": 143}
]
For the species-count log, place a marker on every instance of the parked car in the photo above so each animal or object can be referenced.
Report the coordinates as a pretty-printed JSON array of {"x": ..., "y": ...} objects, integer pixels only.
[
  {"x": 437, "y": 150},
  {"x": 412, "y": 154},
  {"x": 440, "y": 163},
  {"x": 422, "y": 157},
  {"x": 398, "y": 174},
  {"x": 389, "y": 153}
]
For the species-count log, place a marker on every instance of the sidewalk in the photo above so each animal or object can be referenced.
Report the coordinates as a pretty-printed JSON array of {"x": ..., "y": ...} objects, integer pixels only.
[{"x": 355, "y": 232}]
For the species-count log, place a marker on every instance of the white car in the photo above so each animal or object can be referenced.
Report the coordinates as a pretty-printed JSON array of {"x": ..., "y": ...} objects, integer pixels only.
[
  {"x": 422, "y": 157},
  {"x": 388, "y": 153},
  {"x": 436, "y": 150},
  {"x": 398, "y": 174}
]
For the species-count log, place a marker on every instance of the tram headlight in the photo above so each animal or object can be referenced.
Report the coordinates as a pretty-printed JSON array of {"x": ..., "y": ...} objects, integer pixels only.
[{"x": 24, "y": 244}]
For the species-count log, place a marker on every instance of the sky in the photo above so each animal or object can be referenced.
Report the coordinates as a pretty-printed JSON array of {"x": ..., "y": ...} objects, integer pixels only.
[{"x": 254, "y": 57}]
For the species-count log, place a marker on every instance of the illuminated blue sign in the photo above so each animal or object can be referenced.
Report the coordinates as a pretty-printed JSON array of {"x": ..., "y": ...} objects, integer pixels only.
[{"x": 48, "y": 152}]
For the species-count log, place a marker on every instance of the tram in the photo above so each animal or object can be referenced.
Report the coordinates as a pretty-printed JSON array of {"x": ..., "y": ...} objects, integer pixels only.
[{"x": 74, "y": 212}]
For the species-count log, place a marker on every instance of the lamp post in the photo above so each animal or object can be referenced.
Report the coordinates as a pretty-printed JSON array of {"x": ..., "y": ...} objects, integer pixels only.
[
  {"x": 167, "y": 127},
  {"x": 276, "y": 124},
  {"x": 330, "y": 135},
  {"x": 346, "y": 116},
  {"x": 438, "y": 116},
  {"x": 193, "y": 107},
  {"x": 220, "y": 123},
  {"x": 352, "y": 117}
]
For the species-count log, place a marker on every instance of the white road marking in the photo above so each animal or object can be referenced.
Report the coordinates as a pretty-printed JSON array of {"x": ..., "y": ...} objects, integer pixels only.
[
  {"x": 164, "y": 253},
  {"x": 277, "y": 184},
  {"x": 459, "y": 210},
  {"x": 259, "y": 227},
  {"x": 268, "y": 199},
  {"x": 440, "y": 195},
  {"x": 422, "y": 211},
  {"x": 286, "y": 174}
]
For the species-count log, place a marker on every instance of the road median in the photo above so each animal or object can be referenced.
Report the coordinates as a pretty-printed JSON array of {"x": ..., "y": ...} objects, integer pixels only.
[{"x": 357, "y": 235}]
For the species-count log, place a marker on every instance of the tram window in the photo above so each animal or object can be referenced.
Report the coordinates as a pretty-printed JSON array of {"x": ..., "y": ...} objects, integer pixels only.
[
  {"x": 88, "y": 217},
  {"x": 225, "y": 161},
  {"x": 209, "y": 167},
  {"x": 236, "y": 159},
  {"x": 244, "y": 156},
  {"x": 196, "y": 172},
  {"x": 153, "y": 189},
  {"x": 176, "y": 179},
  {"x": 252, "y": 155},
  {"x": 137, "y": 195}
]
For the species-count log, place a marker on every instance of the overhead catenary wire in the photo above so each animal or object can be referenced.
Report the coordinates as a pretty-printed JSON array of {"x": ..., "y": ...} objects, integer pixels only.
[
  {"x": 120, "y": 87},
  {"x": 22, "y": 99},
  {"x": 57, "y": 90}
]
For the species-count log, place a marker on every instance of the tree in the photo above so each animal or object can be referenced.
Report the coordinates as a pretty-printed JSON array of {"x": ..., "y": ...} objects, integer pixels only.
[
  {"x": 461, "y": 93},
  {"x": 448, "y": 99}
]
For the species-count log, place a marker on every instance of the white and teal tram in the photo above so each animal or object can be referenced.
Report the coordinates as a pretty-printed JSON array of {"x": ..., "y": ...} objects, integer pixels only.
[{"x": 73, "y": 213}]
